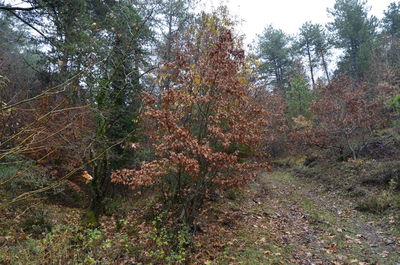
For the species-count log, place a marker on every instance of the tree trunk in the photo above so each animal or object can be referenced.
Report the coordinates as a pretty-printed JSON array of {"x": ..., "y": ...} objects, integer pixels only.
[
  {"x": 325, "y": 65},
  {"x": 310, "y": 63}
]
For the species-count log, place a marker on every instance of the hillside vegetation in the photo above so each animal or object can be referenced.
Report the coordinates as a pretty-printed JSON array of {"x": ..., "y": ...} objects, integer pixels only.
[{"x": 143, "y": 132}]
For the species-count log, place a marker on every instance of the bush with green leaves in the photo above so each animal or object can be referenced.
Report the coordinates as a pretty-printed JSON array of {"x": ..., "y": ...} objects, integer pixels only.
[
  {"x": 299, "y": 98},
  {"x": 171, "y": 245},
  {"x": 37, "y": 224},
  {"x": 19, "y": 174},
  {"x": 394, "y": 103}
]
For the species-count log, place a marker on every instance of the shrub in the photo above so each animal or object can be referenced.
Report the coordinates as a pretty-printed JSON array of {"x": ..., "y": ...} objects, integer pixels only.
[
  {"x": 171, "y": 246},
  {"x": 37, "y": 224},
  {"x": 19, "y": 174},
  {"x": 376, "y": 204},
  {"x": 394, "y": 103},
  {"x": 206, "y": 129},
  {"x": 344, "y": 112},
  {"x": 42, "y": 140}
]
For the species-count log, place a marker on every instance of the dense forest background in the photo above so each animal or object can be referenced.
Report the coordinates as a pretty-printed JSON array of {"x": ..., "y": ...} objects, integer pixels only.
[{"x": 136, "y": 115}]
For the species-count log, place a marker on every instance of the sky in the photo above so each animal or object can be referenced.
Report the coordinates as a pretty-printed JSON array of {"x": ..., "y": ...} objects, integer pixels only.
[{"x": 287, "y": 15}]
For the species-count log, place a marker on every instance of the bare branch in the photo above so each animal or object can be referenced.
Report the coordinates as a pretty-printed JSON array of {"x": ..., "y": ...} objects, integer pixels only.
[
  {"x": 12, "y": 11},
  {"x": 16, "y": 8}
]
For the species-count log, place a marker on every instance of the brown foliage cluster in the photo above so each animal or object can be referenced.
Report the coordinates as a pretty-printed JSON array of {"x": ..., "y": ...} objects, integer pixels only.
[
  {"x": 275, "y": 136},
  {"x": 344, "y": 109},
  {"x": 206, "y": 129},
  {"x": 63, "y": 133},
  {"x": 50, "y": 130},
  {"x": 343, "y": 113}
]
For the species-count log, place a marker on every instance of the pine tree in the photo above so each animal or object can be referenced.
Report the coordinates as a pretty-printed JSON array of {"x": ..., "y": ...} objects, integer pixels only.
[
  {"x": 306, "y": 42},
  {"x": 274, "y": 49},
  {"x": 355, "y": 32},
  {"x": 391, "y": 21}
]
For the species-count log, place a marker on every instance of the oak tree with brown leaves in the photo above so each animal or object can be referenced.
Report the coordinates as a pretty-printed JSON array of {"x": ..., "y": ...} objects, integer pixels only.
[
  {"x": 344, "y": 112},
  {"x": 206, "y": 130}
]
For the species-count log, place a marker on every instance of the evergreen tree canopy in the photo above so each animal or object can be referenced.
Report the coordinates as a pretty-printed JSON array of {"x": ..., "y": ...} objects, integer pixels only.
[{"x": 354, "y": 32}]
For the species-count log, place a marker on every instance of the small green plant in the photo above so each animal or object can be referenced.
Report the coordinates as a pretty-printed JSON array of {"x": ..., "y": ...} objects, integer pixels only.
[
  {"x": 171, "y": 245},
  {"x": 120, "y": 224},
  {"x": 93, "y": 236},
  {"x": 394, "y": 103},
  {"x": 37, "y": 224},
  {"x": 89, "y": 220},
  {"x": 113, "y": 207},
  {"x": 234, "y": 194},
  {"x": 376, "y": 204},
  {"x": 19, "y": 174}
]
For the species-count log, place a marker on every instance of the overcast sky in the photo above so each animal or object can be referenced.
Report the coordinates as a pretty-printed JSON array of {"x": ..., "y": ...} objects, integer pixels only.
[{"x": 287, "y": 15}]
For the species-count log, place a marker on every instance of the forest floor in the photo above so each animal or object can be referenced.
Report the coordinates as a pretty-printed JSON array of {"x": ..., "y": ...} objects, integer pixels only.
[
  {"x": 328, "y": 212},
  {"x": 286, "y": 219}
]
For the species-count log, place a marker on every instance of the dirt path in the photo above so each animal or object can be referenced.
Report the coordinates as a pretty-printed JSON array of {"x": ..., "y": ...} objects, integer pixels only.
[{"x": 297, "y": 221}]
